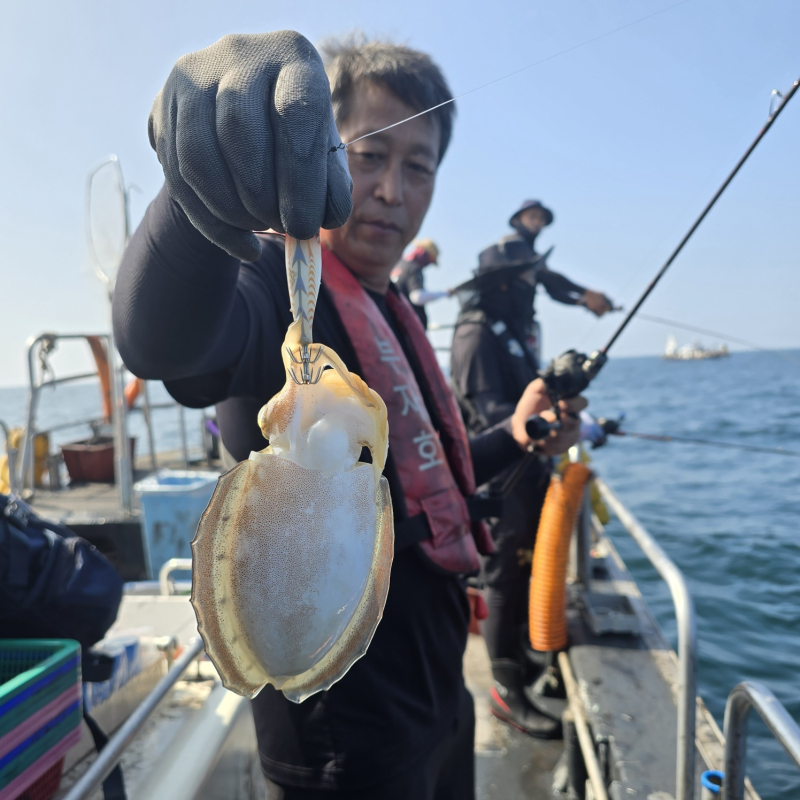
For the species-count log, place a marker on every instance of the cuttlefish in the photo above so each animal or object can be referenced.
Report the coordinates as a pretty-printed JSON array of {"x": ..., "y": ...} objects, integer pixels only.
[{"x": 292, "y": 557}]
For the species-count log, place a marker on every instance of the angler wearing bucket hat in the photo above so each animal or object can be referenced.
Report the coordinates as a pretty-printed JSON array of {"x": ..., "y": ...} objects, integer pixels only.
[
  {"x": 409, "y": 279},
  {"x": 495, "y": 355},
  {"x": 528, "y": 221}
]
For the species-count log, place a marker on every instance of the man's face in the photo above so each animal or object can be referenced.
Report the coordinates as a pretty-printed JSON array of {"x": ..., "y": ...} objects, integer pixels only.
[
  {"x": 533, "y": 219},
  {"x": 393, "y": 178}
]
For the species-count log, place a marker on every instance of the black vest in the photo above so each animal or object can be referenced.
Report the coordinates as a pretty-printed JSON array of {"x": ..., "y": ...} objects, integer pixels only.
[{"x": 518, "y": 362}]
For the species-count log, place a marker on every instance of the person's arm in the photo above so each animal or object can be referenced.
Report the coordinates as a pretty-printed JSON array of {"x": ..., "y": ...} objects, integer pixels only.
[
  {"x": 501, "y": 446},
  {"x": 559, "y": 287},
  {"x": 493, "y": 451},
  {"x": 419, "y": 297},
  {"x": 176, "y": 309},
  {"x": 563, "y": 290}
]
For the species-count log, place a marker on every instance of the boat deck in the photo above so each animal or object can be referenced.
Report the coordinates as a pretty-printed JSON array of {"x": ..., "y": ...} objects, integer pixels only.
[
  {"x": 508, "y": 764},
  {"x": 99, "y": 502}
]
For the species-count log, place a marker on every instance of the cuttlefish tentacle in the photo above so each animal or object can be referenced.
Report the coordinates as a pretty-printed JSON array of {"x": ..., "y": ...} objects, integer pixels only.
[{"x": 293, "y": 554}]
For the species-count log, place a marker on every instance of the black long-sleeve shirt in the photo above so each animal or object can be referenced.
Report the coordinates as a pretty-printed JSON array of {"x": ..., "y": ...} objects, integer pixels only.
[
  {"x": 211, "y": 328},
  {"x": 559, "y": 287}
]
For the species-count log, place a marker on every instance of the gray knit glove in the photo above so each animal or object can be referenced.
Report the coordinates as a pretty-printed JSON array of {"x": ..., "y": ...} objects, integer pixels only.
[{"x": 244, "y": 131}]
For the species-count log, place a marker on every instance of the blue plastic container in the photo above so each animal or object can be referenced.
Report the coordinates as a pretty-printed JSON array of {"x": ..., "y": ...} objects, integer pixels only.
[
  {"x": 127, "y": 663},
  {"x": 172, "y": 503}
]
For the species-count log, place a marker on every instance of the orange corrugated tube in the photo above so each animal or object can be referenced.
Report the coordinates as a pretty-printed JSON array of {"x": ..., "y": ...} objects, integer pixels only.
[{"x": 547, "y": 615}]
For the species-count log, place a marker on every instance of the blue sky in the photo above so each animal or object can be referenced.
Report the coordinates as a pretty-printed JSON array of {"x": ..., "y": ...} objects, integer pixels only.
[{"x": 625, "y": 138}]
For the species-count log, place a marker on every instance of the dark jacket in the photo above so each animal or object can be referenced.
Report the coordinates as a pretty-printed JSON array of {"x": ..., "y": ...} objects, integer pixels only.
[{"x": 559, "y": 287}]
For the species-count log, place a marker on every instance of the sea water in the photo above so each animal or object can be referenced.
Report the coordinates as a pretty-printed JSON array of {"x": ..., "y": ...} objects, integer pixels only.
[{"x": 729, "y": 519}]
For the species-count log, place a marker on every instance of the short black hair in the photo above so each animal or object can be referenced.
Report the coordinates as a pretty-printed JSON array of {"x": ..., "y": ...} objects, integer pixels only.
[{"x": 408, "y": 74}]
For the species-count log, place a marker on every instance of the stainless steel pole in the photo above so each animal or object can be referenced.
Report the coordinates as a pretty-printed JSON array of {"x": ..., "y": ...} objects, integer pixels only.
[
  {"x": 687, "y": 641},
  {"x": 745, "y": 696},
  {"x": 583, "y": 533},
  {"x": 182, "y": 426},
  {"x": 123, "y": 469},
  {"x": 112, "y": 752},
  {"x": 148, "y": 421}
]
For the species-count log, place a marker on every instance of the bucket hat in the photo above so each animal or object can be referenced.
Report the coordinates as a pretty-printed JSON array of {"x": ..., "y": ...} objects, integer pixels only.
[{"x": 532, "y": 204}]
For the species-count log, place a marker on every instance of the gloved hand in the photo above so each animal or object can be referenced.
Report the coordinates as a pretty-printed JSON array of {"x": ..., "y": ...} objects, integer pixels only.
[
  {"x": 244, "y": 131},
  {"x": 596, "y": 302}
]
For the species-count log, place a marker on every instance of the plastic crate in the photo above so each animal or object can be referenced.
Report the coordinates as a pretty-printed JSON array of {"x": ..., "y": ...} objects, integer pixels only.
[
  {"x": 172, "y": 503},
  {"x": 46, "y": 786},
  {"x": 40, "y": 712}
]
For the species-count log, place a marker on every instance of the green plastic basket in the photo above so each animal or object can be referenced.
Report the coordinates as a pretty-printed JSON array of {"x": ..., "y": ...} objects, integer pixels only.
[
  {"x": 46, "y": 737},
  {"x": 33, "y": 672}
]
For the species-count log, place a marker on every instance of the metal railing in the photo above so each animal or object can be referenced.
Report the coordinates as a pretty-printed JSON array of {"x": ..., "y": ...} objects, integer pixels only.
[
  {"x": 165, "y": 585},
  {"x": 583, "y": 530},
  {"x": 745, "y": 696},
  {"x": 39, "y": 350},
  {"x": 687, "y": 640},
  {"x": 41, "y": 377},
  {"x": 112, "y": 752}
]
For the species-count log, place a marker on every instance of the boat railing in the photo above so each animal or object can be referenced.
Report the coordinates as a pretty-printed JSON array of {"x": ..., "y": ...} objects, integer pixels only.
[
  {"x": 166, "y": 586},
  {"x": 42, "y": 376},
  {"x": 110, "y": 755},
  {"x": 687, "y": 629},
  {"x": 747, "y": 695}
]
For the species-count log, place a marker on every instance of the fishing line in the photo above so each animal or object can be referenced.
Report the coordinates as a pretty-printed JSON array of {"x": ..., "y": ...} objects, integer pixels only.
[
  {"x": 696, "y": 224},
  {"x": 345, "y": 145},
  {"x": 706, "y": 332},
  {"x": 728, "y": 445}
]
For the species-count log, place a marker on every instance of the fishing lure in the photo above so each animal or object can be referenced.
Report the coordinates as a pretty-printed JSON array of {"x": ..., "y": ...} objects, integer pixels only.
[{"x": 292, "y": 557}]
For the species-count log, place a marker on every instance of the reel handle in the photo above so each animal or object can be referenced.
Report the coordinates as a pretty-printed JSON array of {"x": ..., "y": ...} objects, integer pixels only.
[{"x": 538, "y": 427}]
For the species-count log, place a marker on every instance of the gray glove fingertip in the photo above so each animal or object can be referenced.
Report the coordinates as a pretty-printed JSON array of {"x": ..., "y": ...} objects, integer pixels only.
[
  {"x": 240, "y": 244},
  {"x": 152, "y": 122},
  {"x": 300, "y": 117}
]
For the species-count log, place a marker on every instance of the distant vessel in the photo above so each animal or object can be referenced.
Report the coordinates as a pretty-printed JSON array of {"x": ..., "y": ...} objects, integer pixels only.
[{"x": 692, "y": 352}]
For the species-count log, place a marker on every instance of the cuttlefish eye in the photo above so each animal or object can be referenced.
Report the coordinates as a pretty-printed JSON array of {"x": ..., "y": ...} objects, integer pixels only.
[{"x": 293, "y": 554}]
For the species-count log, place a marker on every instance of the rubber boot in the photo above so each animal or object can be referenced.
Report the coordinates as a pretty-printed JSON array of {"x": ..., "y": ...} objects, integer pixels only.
[
  {"x": 546, "y": 693},
  {"x": 507, "y": 702}
]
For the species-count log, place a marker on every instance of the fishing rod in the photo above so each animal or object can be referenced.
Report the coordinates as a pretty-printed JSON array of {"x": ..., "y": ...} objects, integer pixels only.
[
  {"x": 570, "y": 373},
  {"x": 651, "y": 437}
]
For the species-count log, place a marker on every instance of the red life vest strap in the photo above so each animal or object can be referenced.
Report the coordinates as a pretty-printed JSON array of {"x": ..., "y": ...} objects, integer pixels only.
[{"x": 435, "y": 473}]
